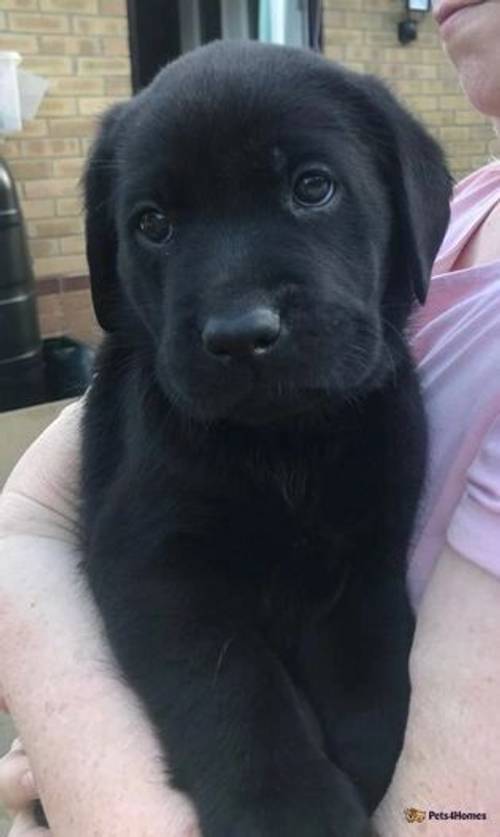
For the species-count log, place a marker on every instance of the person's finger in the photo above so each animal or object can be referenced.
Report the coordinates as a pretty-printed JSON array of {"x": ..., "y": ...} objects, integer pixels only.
[
  {"x": 25, "y": 826},
  {"x": 17, "y": 784}
]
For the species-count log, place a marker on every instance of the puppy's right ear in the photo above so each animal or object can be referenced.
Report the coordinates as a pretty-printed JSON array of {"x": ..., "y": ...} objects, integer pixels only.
[{"x": 100, "y": 228}]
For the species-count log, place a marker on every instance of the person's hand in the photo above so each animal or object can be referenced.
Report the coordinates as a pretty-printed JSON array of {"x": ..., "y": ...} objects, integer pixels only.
[
  {"x": 96, "y": 761},
  {"x": 18, "y": 791}
]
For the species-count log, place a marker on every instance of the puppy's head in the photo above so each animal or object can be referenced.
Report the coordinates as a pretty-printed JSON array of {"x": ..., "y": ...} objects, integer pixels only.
[{"x": 259, "y": 223}]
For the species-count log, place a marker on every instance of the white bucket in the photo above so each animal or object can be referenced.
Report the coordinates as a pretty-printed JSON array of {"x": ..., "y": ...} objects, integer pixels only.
[{"x": 10, "y": 105}]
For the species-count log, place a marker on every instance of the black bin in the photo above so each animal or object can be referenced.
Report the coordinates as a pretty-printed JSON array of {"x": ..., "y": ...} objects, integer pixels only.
[{"x": 22, "y": 380}]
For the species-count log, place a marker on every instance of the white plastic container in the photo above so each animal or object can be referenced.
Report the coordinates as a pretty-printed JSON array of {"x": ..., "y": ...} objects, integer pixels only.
[{"x": 10, "y": 104}]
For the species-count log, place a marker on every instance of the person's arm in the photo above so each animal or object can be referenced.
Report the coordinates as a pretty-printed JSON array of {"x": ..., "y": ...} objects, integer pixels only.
[
  {"x": 451, "y": 757},
  {"x": 97, "y": 763},
  {"x": 93, "y": 753}
]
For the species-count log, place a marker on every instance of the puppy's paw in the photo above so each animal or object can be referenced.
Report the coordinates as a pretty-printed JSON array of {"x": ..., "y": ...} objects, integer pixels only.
[
  {"x": 292, "y": 821},
  {"x": 328, "y": 807}
]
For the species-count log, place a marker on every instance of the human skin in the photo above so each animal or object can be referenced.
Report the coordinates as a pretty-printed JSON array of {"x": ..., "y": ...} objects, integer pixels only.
[
  {"x": 471, "y": 39},
  {"x": 451, "y": 758}
]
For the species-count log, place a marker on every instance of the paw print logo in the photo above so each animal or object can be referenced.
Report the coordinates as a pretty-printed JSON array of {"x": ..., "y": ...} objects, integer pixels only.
[{"x": 414, "y": 815}]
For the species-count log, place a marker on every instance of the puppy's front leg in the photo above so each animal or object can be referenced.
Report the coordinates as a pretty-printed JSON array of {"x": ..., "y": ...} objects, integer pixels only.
[
  {"x": 354, "y": 669},
  {"x": 235, "y": 734}
]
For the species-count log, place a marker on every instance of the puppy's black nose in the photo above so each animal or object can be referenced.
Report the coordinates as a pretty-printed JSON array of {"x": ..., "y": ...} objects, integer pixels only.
[{"x": 245, "y": 335}]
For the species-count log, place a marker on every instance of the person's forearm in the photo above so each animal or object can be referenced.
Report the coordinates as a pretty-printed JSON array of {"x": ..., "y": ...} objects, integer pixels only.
[
  {"x": 94, "y": 756},
  {"x": 451, "y": 758}
]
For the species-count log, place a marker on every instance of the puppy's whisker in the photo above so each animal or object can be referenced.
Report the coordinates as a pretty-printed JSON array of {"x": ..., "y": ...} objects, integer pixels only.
[
  {"x": 220, "y": 660},
  {"x": 400, "y": 337}
]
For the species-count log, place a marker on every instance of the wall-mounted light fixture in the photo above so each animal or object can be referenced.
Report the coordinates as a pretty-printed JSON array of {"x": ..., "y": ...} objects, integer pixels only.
[{"x": 408, "y": 28}]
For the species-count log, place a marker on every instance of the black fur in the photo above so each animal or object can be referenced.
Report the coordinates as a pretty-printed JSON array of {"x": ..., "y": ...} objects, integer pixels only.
[{"x": 247, "y": 520}]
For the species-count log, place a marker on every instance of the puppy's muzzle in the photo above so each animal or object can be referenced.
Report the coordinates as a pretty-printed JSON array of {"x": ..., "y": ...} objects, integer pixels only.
[{"x": 246, "y": 335}]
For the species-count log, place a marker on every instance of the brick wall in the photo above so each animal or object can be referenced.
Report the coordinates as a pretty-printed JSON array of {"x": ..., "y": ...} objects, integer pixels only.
[
  {"x": 363, "y": 35},
  {"x": 81, "y": 46}
]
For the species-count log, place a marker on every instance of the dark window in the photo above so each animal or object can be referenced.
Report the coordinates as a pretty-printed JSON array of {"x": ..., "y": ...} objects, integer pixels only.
[
  {"x": 161, "y": 30},
  {"x": 154, "y": 33},
  {"x": 210, "y": 20}
]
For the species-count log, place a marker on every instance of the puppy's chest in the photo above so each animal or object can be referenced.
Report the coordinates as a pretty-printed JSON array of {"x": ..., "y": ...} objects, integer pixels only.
[
  {"x": 293, "y": 552},
  {"x": 286, "y": 520}
]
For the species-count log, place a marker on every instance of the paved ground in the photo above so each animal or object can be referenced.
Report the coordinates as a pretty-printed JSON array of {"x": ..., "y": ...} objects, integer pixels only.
[{"x": 19, "y": 428}]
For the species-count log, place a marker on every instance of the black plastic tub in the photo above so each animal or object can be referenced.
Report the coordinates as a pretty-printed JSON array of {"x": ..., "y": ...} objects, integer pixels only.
[
  {"x": 68, "y": 367},
  {"x": 67, "y": 371}
]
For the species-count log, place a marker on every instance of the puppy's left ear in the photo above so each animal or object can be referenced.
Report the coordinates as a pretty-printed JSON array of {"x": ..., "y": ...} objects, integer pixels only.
[
  {"x": 101, "y": 237},
  {"x": 420, "y": 183}
]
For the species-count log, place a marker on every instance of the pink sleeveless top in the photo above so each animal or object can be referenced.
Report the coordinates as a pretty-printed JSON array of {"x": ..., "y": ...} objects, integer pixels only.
[{"x": 456, "y": 342}]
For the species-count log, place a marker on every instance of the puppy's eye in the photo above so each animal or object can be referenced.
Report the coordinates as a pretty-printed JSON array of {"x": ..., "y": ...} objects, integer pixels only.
[
  {"x": 313, "y": 188},
  {"x": 155, "y": 226}
]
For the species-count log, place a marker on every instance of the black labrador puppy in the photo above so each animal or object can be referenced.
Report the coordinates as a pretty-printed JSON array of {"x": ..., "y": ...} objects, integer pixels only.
[{"x": 259, "y": 223}]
